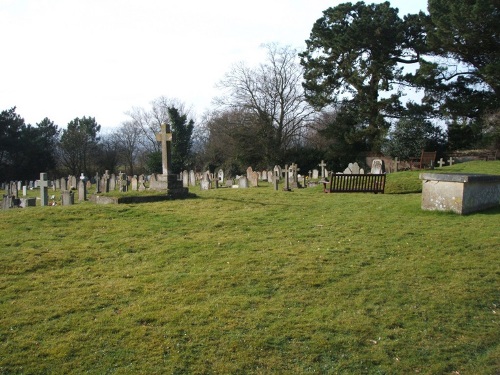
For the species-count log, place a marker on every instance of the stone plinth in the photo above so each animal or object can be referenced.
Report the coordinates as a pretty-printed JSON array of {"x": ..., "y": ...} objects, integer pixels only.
[
  {"x": 460, "y": 193},
  {"x": 169, "y": 184}
]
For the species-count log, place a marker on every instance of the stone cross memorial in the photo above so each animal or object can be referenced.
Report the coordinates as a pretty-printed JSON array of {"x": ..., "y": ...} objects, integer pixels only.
[
  {"x": 165, "y": 137},
  {"x": 44, "y": 184}
]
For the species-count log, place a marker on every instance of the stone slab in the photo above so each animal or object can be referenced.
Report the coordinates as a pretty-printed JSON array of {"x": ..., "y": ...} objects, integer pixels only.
[{"x": 459, "y": 193}]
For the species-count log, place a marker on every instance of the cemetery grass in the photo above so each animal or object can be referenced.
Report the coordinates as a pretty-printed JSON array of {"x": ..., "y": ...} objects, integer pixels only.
[{"x": 252, "y": 281}]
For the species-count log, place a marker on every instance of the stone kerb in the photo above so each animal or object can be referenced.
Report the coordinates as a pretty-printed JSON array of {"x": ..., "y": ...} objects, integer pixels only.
[{"x": 459, "y": 193}]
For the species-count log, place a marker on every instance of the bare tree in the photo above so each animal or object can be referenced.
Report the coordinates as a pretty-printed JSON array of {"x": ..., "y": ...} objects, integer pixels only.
[{"x": 271, "y": 93}]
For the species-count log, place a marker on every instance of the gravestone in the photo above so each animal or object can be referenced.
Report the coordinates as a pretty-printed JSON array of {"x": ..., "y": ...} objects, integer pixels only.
[
  {"x": 270, "y": 176},
  {"x": 315, "y": 174},
  {"x": 25, "y": 190},
  {"x": 287, "y": 179},
  {"x": 220, "y": 176},
  {"x": 112, "y": 182},
  {"x": 7, "y": 202},
  {"x": 72, "y": 182},
  {"x": 134, "y": 184},
  {"x": 185, "y": 178},
  {"x": 206, "y": 182},
  {"x": 97, "y": 183},
  {"x": 142, "y": 183},
  {"x": 44, "y": 184},
  {"x": 57, "y": 184},
  {"x": 167, "y": 181},
  {"x": 377, "y": 166},
  {"x": 105, "y": 180},
  {"x": 276, "y": 172},
  {"x": 82, "y": 189},
  {"x": 67, "y": 198},
  {"x": 64, "y": 183},
  {"x": 322, "y": 165},
  {"x": 249, "y": 172},
  {"x": 27, "y": 202},
  {"x": 243, "y": 182},
  {"x": 254, "y": 179},
  {"x": 263, "y": 175},
  {"x": 192, "y": 178}
]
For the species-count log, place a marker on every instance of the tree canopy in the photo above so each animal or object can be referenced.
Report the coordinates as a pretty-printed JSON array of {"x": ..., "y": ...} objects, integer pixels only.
[{"x": 354, "y": 55}]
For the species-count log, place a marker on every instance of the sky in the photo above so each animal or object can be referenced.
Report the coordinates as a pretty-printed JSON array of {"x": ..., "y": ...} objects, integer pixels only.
[{"x": 64, "y": 59}]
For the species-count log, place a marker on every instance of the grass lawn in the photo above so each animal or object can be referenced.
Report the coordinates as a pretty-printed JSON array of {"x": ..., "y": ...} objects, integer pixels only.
[{"x": 253, "y": 281}]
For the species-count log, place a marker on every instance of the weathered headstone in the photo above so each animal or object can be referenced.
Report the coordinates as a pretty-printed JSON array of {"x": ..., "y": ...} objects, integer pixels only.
[
  {"x": 64, "y": 183},
  {"x": 185, "y": 178},
  {"x": 134, "y": 184},
  {"x": 112, "y": 182},
  {"x": 97, "y": 183},
  {"x": 122, "y": 183},
  {"x": 322, "y": 165},
  {"x": 287, "y": 179},
  {"x": 44, "y": 184},
  {"x": 82, "y": 188},
  {"x": 243, "y": 182},
  {"x": 220, "y": 176},
  {"x": 377, "y": 166},
  {"x": 254, "y": 179},
  {"x": 142, "y": 183},
  {"x": 441, "y": 162},
  {"x": 315, "y": 174},
  {"x": 67, "y": 198},
  {"x": 249, "y": 172},
  {"x": 192, "y": 178}
]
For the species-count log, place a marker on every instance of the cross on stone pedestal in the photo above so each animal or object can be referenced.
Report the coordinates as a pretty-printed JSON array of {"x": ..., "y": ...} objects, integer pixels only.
[
  {"x": 441, "y": 162},
  {"x": 322, "y": 165},
  {"x": 450, "y": 161},
  {"x": 165, "y": 137},
  {"x": 44, "y": 184}
]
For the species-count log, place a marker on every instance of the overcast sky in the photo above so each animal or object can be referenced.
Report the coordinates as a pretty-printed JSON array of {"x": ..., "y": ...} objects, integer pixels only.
[{"x": 63, "y": 59}]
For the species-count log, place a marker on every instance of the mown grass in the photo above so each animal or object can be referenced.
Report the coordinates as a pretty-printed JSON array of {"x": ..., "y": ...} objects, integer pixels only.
[{"x": 252, "y": 281}]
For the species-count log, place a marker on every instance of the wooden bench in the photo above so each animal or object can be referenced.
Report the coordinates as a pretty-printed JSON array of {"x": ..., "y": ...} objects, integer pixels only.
[
  {"x": 488, "y": 155},
  {"x": 427, "y": 160},
  {"x": 356, "y": 183}
]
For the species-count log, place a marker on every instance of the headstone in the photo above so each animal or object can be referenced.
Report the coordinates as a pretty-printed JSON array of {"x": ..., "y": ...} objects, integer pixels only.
[
  {"x": 44, "y": 184},
  {"x": 13, "y": 189},
  {"x": 97, "y": 183},
  {"x": 254, "y": 179},
  {"x": 206, "y": 182},
  {"x": 57, "y": 184},
  {"x": 322, "y": 165},
  {"x": 67, "y": 198},
  {"x": 243, "y": 182},
  {"x": 82, "y": 189},
  {"x": 27, "y": 202},
  {"x": 315, "y": 174},
  {"x": 269, "y": 176},
  {"x": 185, "y": 178},
  {"x": 450, "y": 161},
  {"x": 287, "y": 179},
  {"x": 7, "y": 202},
  {"x": 192, "y": 178},
  {"x": 134, "y": 184},
  {"x": 64, "y": 183},
  {"x": 105, "y": 180},
  {"x": 377, "y": 166},
  {"x": 142, "y": 183},
  {"x": 72, "y": 181},
  {"x": 263, "y": 175},
  {"x": 122, "y": 183},
  {"x": 441, "y": 162},
  {"x": 220, "y": 176},
  {"x": 249, "y": 172},
  {"x": 25, "y": 190},
  {"x": 112, "y": 182}
]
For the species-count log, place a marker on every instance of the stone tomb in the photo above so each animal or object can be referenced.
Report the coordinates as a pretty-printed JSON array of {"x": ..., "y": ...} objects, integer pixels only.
[{"x": 459, "y": 193}]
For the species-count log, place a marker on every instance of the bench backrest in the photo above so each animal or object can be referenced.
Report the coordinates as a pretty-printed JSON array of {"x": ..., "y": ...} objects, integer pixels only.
[{"x": 357, "y": 183}]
